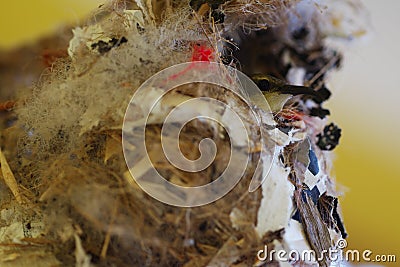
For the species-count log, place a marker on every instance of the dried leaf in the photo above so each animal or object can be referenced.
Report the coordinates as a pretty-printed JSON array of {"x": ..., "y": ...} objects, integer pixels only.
[
  {"x": 9, "y": 178},
  {"x": 113, "y": 147},
  {"x": 316, "y": 230},
  {"x": 82, "y": 259},
  {"x": 32, "y": 256},
  {"x": 227, "y": 255},
  {"x": 147, "y": 8}
]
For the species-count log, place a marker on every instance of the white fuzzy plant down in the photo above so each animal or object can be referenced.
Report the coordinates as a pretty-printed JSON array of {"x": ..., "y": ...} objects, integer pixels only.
[{"x": 71, "y": 139}]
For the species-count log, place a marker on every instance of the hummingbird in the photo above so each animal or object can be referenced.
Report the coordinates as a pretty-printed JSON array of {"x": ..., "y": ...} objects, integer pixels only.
[{"x": 278, "y": 92}]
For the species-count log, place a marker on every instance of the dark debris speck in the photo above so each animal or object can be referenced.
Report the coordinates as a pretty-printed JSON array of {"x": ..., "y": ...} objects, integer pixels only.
[
  {"x": 104, "y": 47},
  {"x": 329, "y": 138}
]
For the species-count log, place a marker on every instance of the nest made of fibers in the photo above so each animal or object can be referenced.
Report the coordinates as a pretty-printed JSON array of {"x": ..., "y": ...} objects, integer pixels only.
[{"x": 76, "y": 197}]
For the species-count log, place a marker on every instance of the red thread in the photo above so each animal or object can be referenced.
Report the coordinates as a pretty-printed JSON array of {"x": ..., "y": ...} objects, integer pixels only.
[
  {"x": 291, "y": 115},
  {"x": 202, "y": 53}
]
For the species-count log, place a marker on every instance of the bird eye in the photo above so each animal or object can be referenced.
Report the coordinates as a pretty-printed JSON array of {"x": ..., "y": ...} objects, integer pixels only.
[{"x": 264, "y": 85}]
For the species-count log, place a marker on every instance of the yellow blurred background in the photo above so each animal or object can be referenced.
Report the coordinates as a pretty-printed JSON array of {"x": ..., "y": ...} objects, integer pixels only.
[{"x": 365, "y": 105}]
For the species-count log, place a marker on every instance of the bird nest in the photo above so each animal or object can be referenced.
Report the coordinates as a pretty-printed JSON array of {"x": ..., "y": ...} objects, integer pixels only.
[{"x": 67, "y": 195}]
